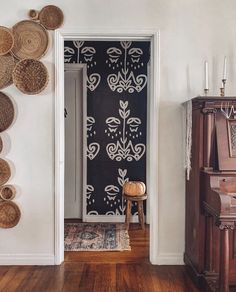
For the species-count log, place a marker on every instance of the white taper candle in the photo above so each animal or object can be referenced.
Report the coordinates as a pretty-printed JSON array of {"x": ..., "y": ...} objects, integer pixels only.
[
  {"x": 225, "y": 68},
  {"x": 206, "y": 76}
]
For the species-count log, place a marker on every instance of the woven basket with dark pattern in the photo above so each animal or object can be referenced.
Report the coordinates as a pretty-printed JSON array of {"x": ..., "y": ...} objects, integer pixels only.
[
  {"x": 6, "y": 112},
  {"x": 9, "y": 214},
  {"x": 5, "y": 171},
  {"x": 30, "y": 76}
]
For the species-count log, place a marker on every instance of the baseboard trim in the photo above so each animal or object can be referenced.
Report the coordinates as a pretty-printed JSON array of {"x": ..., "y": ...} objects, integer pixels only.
[
  {"x": 169, "y": 259},
  {"x": 27, "y": 259},
  {"x": 109, "y": 218}
]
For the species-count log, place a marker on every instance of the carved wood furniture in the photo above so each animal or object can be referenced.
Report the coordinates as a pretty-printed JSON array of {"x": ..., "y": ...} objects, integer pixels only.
[{"x": 210, "y": 243}]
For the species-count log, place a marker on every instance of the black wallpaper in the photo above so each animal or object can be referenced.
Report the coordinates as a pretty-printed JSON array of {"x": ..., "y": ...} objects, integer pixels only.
[{"x": 117, "y": 118}]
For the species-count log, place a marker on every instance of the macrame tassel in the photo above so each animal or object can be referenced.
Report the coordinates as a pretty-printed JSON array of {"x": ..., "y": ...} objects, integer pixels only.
[{"x": 188, "y": 141}]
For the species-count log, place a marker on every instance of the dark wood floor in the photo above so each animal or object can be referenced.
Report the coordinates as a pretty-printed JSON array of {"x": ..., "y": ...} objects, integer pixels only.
[{"x": 104, "y": 271}]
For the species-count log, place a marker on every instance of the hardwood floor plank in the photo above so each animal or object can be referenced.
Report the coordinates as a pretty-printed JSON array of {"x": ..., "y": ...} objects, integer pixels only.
[
  {"x": 134, "y": 277},
  {"x": 30, "y": 283},
  {"x": 88, "y": 278},
  {"x": 3, "y": 271},
  {"x": 19, "y": 276},
  {"x": 171, "y": 278},
  {"x": 72, "y": 277},
  {"x": 180, "y": 276},
  {"x": 57, "y": 279},
  {"x": 102, "y": 278},
  {"x": 105, "y": 279},
  {"x": 7, "y": 278},
  {"x": 40, "y": 281}
]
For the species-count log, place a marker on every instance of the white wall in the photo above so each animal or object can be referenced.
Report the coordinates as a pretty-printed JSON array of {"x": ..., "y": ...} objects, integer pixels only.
[{"x": 191, "y": 31}]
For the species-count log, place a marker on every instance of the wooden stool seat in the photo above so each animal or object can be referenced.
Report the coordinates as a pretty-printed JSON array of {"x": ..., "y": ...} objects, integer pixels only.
[
  {"x": 139, "y": 200},
  {"x": 135, "y": 199}
]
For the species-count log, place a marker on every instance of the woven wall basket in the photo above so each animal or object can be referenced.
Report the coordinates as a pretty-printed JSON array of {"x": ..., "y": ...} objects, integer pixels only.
[
  {"x": 6, "y": 112},
  {"x": 33, "y": 14},
  {"x": 5, "y": 171},
  {"x": 30, "y": 40},
  {"x": 6, "y": 40},
  {"x": 7, "y": 192},
  {"x": 7, "y": 64},
  {"x": 1, "y": 145},
  {"x": 51, "y": 17},
  {"x": 30, "y": 76},
  {"x": 9, "y": 214}
]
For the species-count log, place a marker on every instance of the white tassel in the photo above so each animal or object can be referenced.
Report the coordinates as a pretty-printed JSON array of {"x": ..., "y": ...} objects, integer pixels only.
[
  {"x": 188, "y": 141},
  {"x": 227, "y": 111}
]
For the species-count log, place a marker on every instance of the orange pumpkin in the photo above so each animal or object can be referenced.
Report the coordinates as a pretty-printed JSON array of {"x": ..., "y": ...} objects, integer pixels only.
[{"x": 134, "y": 188}]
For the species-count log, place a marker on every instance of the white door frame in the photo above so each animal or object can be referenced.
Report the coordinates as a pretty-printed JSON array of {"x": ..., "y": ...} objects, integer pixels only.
[
  {"x": 83, "y": 67},
  {"x": 152, "y": 131}
]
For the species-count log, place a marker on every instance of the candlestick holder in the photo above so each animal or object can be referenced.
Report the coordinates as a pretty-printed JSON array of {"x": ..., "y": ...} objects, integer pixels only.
[
  {"x": 222, "y": 89},
  {"x": 206, "y": 90}
]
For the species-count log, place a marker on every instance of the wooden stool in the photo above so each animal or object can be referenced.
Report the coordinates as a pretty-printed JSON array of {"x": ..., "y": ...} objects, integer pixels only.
[{"x": 139, "y": 200}]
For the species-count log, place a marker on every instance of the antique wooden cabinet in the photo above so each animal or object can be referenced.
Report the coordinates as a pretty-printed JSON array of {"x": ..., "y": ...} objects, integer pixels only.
[{"x": 210, "y": 248}]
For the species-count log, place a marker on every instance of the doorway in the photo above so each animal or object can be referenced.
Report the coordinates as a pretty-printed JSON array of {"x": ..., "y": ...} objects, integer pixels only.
[
  {"x": 75, "y": 164},
  {"x": 60, "y": 135},
  {"x": 117, "y": 77}
]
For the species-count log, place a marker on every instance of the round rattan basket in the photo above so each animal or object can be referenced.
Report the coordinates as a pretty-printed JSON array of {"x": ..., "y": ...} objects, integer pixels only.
[
  {"x": 9, "y": 214},
  {"x": 30, "y": 40},
  {"x": 1, "y": 145},
  {"x": 6, "y": 112},
  {"x": 30, "y": 76},
  {"x": 33, "y": 14},
  {"x": 51, "y": 17},
  {"x": 5, "y": 171},
  {"x": 6, "y": 40},
  {"x": 7, "y": 64},
  {"x": 7, "y": 192}
]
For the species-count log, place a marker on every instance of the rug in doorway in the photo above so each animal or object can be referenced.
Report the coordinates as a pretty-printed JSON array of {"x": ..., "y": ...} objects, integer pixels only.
[{"x": 96, "y": 237}]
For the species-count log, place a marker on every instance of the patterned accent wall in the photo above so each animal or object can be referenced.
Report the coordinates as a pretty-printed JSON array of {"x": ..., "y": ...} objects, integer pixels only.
[{"x": 117, "y": 118}]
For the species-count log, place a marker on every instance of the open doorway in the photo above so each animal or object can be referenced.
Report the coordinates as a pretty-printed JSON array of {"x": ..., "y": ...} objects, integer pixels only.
[
  {"x": 116, "y": 115},
  {"x": 60, "y": 135},
  {"x": 117, "y": 90},
  {"x": 75, "y": 135}
]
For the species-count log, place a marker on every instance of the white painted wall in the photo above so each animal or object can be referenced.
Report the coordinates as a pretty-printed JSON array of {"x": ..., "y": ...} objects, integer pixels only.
[{"x": 191, "y": 31}]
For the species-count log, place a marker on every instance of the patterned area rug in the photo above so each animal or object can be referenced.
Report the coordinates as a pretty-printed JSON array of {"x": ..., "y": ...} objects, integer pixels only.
[{"x": 96, "y": 237}]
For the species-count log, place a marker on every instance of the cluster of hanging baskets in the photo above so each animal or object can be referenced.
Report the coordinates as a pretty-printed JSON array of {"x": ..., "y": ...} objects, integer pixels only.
[
  {"x": 21, "y": 49},
  {"x": 9, "y": 211}
]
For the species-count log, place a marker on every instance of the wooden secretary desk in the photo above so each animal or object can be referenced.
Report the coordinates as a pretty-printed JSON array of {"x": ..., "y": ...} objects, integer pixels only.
[{"x": 210, "y": 243}]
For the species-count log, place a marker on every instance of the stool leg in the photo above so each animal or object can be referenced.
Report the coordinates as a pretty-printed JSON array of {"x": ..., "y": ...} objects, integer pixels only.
[
  {"x": 128, "y": 213},
  {"x": 140, "y": 214}
]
